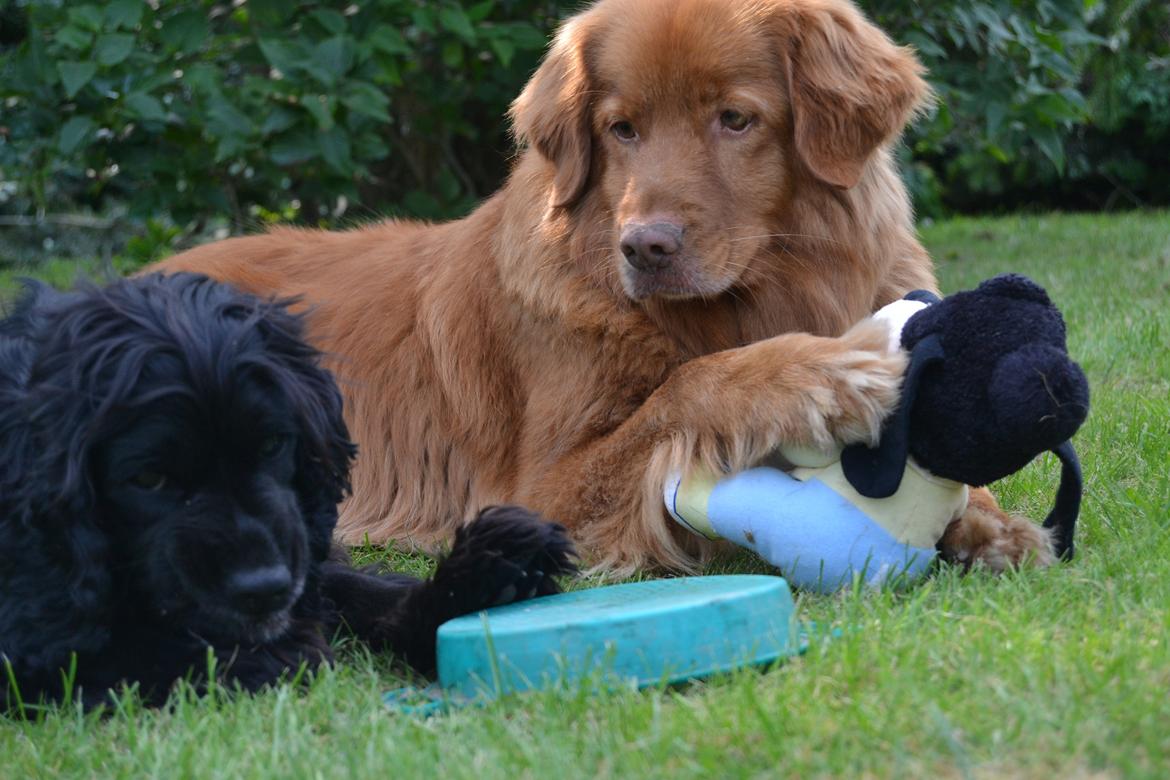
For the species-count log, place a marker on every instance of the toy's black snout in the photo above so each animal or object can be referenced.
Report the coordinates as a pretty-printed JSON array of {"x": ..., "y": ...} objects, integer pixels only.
[{"x": 1039, "y": 395}]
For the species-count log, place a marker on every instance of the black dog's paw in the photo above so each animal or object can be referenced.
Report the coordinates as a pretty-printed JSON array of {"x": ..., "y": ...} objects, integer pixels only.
[
  {"x": 252, "y": 668},
  {"x": 506, "y": 554}
]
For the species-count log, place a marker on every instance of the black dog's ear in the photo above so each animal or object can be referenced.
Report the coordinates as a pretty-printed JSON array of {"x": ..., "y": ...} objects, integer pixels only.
[
  {"x": 55, "y": 576},
  {"x": 877, "y": 472},
  {"x": 325, "y": 451}
]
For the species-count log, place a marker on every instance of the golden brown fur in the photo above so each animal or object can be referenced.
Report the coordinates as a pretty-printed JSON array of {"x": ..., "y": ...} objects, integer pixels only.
[{"x": 514, "y": 355}]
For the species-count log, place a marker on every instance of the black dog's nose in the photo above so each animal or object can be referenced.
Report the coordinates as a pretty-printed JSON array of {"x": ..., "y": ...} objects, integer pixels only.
[
  {"x": 260, "y": 591},
  {"x": 651, "y": 247}
]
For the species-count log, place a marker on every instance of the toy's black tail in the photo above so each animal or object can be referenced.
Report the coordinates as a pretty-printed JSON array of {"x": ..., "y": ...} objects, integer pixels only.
[{"x": 1063, "y": 517}]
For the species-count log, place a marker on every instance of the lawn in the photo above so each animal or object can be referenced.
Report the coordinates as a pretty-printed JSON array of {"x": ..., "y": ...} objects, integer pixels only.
[{"x": 1063, "y": 672}]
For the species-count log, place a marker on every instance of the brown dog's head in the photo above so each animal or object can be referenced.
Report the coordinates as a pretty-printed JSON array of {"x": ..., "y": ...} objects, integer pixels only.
[{"x": 693, "y": 124}]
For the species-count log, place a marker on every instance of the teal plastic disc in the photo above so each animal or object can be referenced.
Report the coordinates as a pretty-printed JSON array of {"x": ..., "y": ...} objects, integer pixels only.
[{"x": 641, "y": 633}]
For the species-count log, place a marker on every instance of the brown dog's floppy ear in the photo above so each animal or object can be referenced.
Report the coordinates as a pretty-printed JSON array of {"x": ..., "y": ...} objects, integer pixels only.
[
  {"x": 552, "y": 113},
  {"x": 852, "y": 89}
]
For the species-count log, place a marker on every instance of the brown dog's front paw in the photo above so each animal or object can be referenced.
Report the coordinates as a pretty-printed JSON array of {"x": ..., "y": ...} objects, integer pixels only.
[
  {"x": 986, "y": 535},
  {"x": 864, "y": 379}
]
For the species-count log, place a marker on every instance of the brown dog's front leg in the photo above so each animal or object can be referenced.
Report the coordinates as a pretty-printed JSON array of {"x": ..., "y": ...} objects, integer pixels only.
[{"x": 725, "y": 411}]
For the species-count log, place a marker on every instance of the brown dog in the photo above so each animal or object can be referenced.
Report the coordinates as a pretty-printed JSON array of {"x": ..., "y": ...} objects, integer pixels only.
[{"x": 705, "y": 204}]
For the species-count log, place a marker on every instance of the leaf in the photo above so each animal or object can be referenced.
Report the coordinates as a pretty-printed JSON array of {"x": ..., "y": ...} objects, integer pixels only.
[
  {"x": 331, "y": 21},
  {"x": 452, "y": 54},
  {"x": 146, "y": 107},
  {"x": 73, "y": 133},
  {"x": 203, "y": 78},
  {"x": 524, "y": 35},
  {"x": 185, "y": 32},
  {"x": 229, "y": 146},
  {"x": 1050, "y": 143},
  {"x": 504, "y": 49},
  {"x": 480, "y": 11},
  {"x": 925, "y": 45},
  {"x": 386, "y": 39},
  {"x": 272, "y": 13},
  {"x": 285, "y": 56},
  {"x": 321, "y": 107},
  {"x": 994, "y": 114},
  {"x": 998, "y": 153},
  {"x": 453, "y": 19},
  {"x": 992, "y": 22},
  {"x": 113, "y": 48},
  {"x": 424, "y": 19},
  {"x": 333, "y": 56},
  {"x": 335, "y": 151},
  {"x": 75, "y": 75},
  {"x": 87, "y": 16},
  {"x": 298, "y": 147},
  {"x": 277, "y": 121},
  {"x": 227, "y": 119},
  {"x": 366, "y": 99},
  {"x": 74, "y": 37},
  {"x": 124, "y": 14}
]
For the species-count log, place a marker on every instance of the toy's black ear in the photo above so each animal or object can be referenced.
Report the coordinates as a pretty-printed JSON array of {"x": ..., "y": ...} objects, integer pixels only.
[
  {"x": 921, "y": 296},
  {"x": 876, "y": 472},
  {"x": 1063, "y": 517}
]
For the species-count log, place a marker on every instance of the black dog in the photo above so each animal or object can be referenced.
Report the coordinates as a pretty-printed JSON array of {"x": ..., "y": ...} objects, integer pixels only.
[{"x": 171, "y": 459}]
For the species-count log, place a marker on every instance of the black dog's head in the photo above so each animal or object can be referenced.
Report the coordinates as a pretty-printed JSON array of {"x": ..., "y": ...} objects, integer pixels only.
[{"x": 170, "y": 446}]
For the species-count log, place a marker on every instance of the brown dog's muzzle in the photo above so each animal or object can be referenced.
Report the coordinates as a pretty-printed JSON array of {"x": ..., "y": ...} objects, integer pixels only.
[{"x": 651, "y": 247}]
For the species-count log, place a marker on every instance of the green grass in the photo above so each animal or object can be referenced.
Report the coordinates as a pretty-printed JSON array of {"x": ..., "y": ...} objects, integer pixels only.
[
  {"x": 59, "y": 272},
  {"x": 1063, "y": 672}
]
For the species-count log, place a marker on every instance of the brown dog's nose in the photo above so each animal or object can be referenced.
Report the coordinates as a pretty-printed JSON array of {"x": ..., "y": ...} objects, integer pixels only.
[{"x": 651, "y": 247}]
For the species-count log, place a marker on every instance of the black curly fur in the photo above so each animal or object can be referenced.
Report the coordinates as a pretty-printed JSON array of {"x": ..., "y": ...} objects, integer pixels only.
[{"x": 163, "y": 440}]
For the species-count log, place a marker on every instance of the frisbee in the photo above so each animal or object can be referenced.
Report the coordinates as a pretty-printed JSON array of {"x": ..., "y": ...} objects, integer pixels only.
[{"x": 641, "y": 633}]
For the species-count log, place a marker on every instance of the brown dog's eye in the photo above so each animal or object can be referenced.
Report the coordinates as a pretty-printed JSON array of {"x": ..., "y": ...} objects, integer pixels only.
[
  {"x": 624, "y": 131},
  {"x": 149, "y": 480},
  {"x": 735, "y": 121}
]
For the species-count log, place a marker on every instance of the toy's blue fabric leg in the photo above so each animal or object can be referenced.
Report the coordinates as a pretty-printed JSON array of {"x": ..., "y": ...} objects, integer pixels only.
[{"x": 818, "y": 539}]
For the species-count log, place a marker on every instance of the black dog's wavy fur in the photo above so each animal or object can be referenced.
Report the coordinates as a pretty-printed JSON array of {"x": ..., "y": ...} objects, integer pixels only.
[{"x": 74, "y": 368}]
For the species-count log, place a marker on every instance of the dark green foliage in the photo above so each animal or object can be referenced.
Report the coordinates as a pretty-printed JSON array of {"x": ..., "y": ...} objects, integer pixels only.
[
  {"x": 250, "y": 112},
  {"x": 268, "y": 109},
  {"x": 1056, "y": 103}
]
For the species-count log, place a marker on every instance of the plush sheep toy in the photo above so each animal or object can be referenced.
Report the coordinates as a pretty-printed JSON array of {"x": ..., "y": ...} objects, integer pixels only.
[{"x": 989, "y": 386}]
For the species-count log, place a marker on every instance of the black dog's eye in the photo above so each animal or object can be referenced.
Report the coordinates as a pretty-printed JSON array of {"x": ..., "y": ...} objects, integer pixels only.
[
  {"x": 149, "y": 480},
  {"x": 735, "y": 121},
  {"x": 271, "y": 446},
  {"x": 624, "y": 131}
]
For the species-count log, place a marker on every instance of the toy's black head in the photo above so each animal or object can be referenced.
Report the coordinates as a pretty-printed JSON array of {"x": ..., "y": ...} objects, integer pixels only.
[
  {"x": 990, "y": 386},
  {"x": 1006, "y": 389}
]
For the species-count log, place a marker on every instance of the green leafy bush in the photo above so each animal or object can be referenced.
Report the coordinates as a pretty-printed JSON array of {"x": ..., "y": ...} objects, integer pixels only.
[
  {"x": 1039, "y": 102},
  {"x": 203, "y": 111},
  {"x": 265, "y": 109},
  {"x": 1007, "y": 76}
]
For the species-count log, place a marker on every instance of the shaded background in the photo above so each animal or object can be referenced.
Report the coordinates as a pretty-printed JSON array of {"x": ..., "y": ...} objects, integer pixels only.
[{"x": 129, "y": 128}]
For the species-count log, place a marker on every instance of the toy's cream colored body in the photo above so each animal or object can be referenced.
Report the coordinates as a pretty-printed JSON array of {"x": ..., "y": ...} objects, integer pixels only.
[{"x": 916, "y": 515}]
